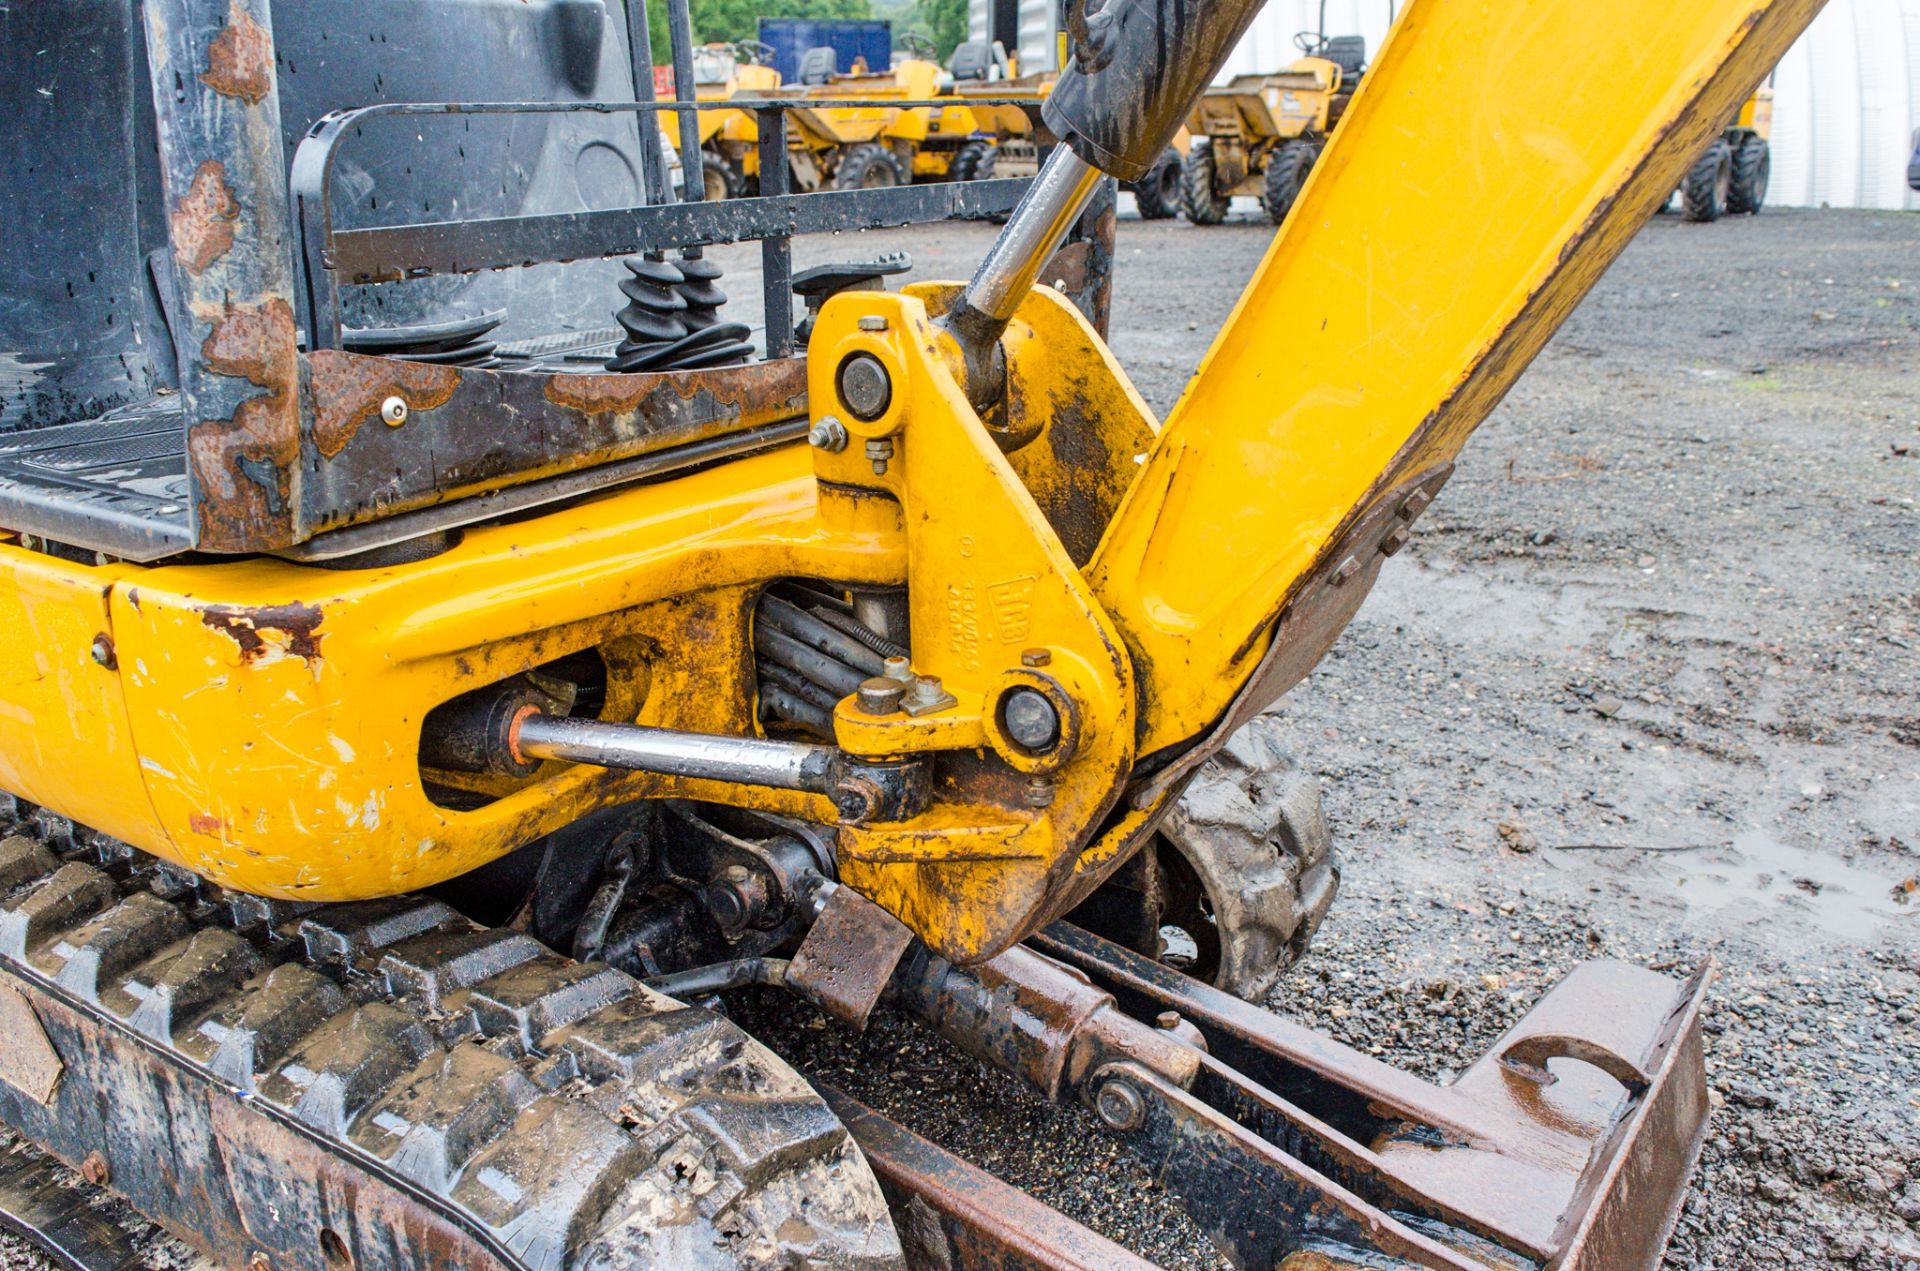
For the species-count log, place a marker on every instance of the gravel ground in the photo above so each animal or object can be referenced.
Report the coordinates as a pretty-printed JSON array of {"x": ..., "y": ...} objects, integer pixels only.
[{"x": 1643, "y": 687}]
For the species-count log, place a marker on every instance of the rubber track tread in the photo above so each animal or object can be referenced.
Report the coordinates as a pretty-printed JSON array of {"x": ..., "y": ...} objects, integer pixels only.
[{"x": 560, "y": 1113}]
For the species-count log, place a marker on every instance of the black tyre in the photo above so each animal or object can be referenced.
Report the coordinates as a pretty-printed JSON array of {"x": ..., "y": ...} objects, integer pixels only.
[
  {"x": 1204, "y": 203},
  {"x": 1752, "y": 166},
  {"x": 1239, "y": 877},
  {"x": 1287, "y": 170},
  {"x": 867, "y": 167},
  {"x": 721, "y": 181},
  {"x": 973, "y": 162},
  {"x": 1157, "y": 194},
  {"x": 1703, "y": 195}
]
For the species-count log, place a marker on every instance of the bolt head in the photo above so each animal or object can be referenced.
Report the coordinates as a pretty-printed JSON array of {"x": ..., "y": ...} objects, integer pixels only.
[
  {"x": 94, "y": 1169},
  {"x": 1036, "y": 657},
  {"x": 899, "y": 669},
  {"x": 1395, "y": 540},
  {"x": 1119, "y": 1105},
  {"x": 829, "y": 434},
  {"x": 1030, "y": 718},
  {"x": 101, "y": 651},
  {"x": 394, "y": 411},
  {"x": 865, "y": 386},
  {"x": 1040, "y": 792},
  {"x": 873, "y": 322},
  {"x": 880, "y": 695}
]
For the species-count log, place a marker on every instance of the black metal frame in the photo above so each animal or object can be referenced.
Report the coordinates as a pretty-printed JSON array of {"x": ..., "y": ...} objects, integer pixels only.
[{"x": 336, "y": 258}]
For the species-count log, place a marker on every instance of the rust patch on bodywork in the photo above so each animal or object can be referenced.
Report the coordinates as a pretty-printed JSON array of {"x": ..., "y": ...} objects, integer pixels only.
[
  {"x": 243, "y": 465},
  {"x": 240, "y": 59},
  {"x": 203, "y": 219},
  {"x": 293, "y": 629},
  {"x": 739, "y": 390},
  {"x": 347, "y": 389}
]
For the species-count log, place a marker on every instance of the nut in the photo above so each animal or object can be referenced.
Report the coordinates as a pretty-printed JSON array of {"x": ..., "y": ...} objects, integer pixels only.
[
  {"x": 879, "y": 451},
  {"x": 1395, "y": 540},
  {"x": 828, "y": 434},
  {"x": 873, "y": 322},
  {"x": 899, "y": 669},
  {"x": 1036, "y": 657},
  {"x": 1040, "y": 792},
  {"x": 1346, "y": 570},
  {"x": 1119, "y": 1105},
  {"x": 101, "y": 651},
  {"x": 94, "y": 1169},
  {"x": 394, "y": 411}
]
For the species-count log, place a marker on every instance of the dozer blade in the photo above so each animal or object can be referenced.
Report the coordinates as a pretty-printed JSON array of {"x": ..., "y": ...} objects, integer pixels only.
[{"x": 1567, "y": 1146}]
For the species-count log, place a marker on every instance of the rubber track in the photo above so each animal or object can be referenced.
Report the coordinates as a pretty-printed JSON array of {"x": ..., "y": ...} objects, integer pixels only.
[{"x": 560, "y": 1112}]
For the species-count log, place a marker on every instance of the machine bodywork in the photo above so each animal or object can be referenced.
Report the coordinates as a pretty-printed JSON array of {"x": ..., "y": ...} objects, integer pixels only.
[{"x": 390, "y": 620}]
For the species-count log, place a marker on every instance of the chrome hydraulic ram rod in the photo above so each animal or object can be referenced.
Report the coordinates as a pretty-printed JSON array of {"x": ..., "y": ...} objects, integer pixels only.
[
  {"x": 1137, "y": 66},
  {"x": 782, "y": 765}
]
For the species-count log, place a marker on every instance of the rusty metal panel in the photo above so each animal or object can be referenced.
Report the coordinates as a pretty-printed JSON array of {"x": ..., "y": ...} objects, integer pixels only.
[
  {"x": 958, "y": 1217},
  {"x": 28, "y": 1061},
  {"x": 848, "y": 956},
  {"x": 467, "y": 429},
  {"x": 224, "y": 178}
]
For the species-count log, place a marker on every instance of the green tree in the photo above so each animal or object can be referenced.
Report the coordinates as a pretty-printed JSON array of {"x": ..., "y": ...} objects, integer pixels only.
[
  {"x": 946, "y": 23},
  {"x": 731, "y": 20}
]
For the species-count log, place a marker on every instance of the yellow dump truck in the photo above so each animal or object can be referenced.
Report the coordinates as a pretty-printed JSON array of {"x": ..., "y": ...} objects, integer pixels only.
[
  {"x": 863, "y": 147},
  {"x": 1259, "y": 135},
  {"x": 729, "y": 139}
]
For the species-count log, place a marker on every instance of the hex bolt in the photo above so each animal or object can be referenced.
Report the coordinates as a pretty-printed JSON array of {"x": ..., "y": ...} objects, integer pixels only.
[
  {"x": 1346, "y": 570},
  {"x": 738, "y": 898},
  {"x": 880, "y": 695},
  {"x": 1119, "y": 1105},
  {"x": 1167, "y": 1021},
  {"x": 1030, "y": 718},
  {"x": 101, "y": 651},
  {"x": 899, "y": 669},
  {"x": 879, "y": 450},
  {"x": 94, "y": 1169},
  {"x": 865, "y": 386},
  {"x": 873, "y": 322},
  {"x": 1036, "y": 657},
  {"x": 829, "y": 434},
  {"x": 394, "y": 411},
  {"x": 1040, "y": 792},
  {"x": 1416, "y": 504},
  {"x": 1395, "y": 540}
]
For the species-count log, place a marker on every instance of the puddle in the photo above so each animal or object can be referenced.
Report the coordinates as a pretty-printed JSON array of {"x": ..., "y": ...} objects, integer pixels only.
[{"x": 1758, "y": 878}]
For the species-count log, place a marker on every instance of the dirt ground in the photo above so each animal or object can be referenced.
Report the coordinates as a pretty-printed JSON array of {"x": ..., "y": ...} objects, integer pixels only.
[
  {"x": 1643, "y": 687},
  {"x": 1663, "y": 626}
]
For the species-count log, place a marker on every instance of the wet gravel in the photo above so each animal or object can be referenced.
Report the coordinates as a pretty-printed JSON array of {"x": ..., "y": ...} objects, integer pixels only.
[{"x": 1642, "y": 687}]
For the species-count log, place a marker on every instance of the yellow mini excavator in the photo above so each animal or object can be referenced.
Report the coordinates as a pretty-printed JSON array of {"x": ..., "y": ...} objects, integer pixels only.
[{"x": 422, "y": 698}]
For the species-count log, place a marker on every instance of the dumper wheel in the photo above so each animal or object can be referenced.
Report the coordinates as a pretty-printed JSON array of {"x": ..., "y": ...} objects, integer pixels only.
[
  {"x": 1204, "y": 203},
  {"x": 1752, "y": 167},
  {"x": 1287, "y": 171},
  {"x": 973, "y": 162},
  {"x": 1157, "y": 194},
  {"x": 719, "y": 177},
  {"x": 1252, "y": 870},
  {"x": 867, "y": 167},
  {"x": 387, "y": 1083},
  {"x": 1703, "y": 195}
]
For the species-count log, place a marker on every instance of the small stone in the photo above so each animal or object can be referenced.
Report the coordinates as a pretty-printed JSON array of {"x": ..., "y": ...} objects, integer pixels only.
[
  {"x": 1773, "y": 1189},
  {"x": 1607, "y": 707},
  {"x": 1748, "y": 1095},
  {"x": 1516, "y": 837}
]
